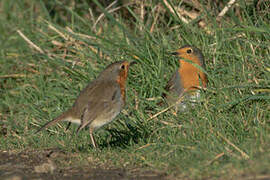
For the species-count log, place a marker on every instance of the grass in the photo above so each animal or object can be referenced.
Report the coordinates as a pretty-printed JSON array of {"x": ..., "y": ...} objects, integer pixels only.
[{"x": 228, "y": 133}]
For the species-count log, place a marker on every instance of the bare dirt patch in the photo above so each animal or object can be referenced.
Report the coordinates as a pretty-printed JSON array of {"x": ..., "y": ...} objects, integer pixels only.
[{"x": 48, "y": 164}]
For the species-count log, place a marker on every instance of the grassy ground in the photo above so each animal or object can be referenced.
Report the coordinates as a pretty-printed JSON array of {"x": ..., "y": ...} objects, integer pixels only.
[{"x": 227, "y": 133}]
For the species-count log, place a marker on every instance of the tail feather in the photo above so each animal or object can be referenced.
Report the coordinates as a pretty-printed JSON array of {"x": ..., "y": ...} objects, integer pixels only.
[{"x": 62, "y": 117}]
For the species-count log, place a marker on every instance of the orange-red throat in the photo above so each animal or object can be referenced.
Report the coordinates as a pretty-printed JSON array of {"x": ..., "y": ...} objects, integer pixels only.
[
  {"x": 123, "y": 73},
  {"x": 191, "y": 76}
]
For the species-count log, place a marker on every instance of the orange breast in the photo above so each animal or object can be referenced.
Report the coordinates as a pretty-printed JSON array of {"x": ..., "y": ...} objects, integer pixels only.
[
  {"x": 191, "y": 77},
  {"x": 122, "y": 83}
]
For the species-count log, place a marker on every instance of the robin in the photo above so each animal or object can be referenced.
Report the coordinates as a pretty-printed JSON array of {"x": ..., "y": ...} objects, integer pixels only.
[
  {"x": 100, "y": 102},
  {"x": 185, "y": 83}
]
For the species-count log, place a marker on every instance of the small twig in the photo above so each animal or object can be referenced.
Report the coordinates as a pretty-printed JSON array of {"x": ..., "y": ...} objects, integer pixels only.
[
  {"x": 58, "y": 32},
  {"x": 92, "y": 17},
  {"x": 234, "y": 146},
  {"x": 57, "y": 43},
  {"x": 192, "y": 15},
  {"x": 252, "y": 49},
  {"x": 230, "y": 152},
  {"x": 171, "y": 124},
  {"x": 136, "y": 100},
  {"x": 153, "y": 98},
  {"x": 109, "y": 11},
  {"x": 110, "y": 5},
  {"x": 155, "y": 19},
  {"x": 13, "y": 76},
  {"x": 30, "y": 42},
  {"x": 216, "y": 158},
  {"x": 258, "y": 177},
  {"x": 144, "y": 146},
  {"x": 225, "y": 9},
  {"x": 102, "y": 15},
  {"x": 166, "y": 109},
  {"x": 79, "y": 34},
  {"x": 146, "y": 162},
  {"x": 175, "y": 12},
  {"x": 157, "y": 114},
  {"x": 142, "y": 15}
]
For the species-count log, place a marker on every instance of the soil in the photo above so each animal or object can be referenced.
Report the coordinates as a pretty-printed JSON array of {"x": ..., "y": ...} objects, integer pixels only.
[{"x": 52, "y": 164}]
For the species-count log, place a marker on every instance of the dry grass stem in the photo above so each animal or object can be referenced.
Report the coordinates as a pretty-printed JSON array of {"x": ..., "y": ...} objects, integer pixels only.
[
  {"x": 30, "y": 42},
  {"x": 171, "y": 124},
  {"x": 231, "y": 153},
  {"x": 144, "y": 146},
  {"x": 79, "y": 34},
  {"x": 258, "y": 177},
  {"x": 153, "y": 99},
  {"x": 108, "y": 11},
  {"x": 175, "y": 12},
  {"x": 216, "y": 158},
  {"x": 244, "y": 155},
  {"x": 155, "y": 19},
  {"x": 136, "y": 100},
  {"x": 180, "y": 12},
  {"x": 141, "y": 15},
  {"x": 102, "y": 15},
  {"x": 92, "y": 17},
  {"x": 225, "y": 9},
  {"x": 13, "y": 76},
  {"x": 166, "y": 109},
  {"x": 57, "y": 43},
  {"x": 65, "y": 37},
  {"x": 192, "y": 15}
]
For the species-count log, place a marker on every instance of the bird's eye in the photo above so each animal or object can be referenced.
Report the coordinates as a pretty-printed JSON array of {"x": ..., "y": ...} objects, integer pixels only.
[
  {"x": 123, "y": 67},
  {"x": 189, "y": 51}
]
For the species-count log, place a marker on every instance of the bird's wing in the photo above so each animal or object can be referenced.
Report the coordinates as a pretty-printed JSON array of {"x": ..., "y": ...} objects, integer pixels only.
[
  {"x": 171, "y": 85},
  {"x": 99, "y": 102},
  {"x": 174, "y": 88}
]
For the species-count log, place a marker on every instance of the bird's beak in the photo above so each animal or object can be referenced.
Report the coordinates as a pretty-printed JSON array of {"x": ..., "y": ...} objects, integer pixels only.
[
  {"x": 132, "y": 63},
  {"x": 175, "y": 53}
]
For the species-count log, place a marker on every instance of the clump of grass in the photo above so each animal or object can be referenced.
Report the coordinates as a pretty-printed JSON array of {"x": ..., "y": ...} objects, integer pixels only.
[{"x": 228, "y": 131}]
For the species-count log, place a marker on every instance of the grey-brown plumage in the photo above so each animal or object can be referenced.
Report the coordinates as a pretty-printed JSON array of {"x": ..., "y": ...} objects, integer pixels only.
[
  {"x": 100, "y": 102},
  {"x": 187, "y": 78}
]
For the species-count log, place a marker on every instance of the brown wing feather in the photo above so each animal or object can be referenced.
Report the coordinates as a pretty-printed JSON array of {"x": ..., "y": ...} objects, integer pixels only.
[{"x": 99, "y": 104}]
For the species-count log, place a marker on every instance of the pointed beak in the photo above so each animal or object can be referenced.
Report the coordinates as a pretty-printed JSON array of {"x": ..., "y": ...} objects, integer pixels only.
[{"x": 175, "y": 53}]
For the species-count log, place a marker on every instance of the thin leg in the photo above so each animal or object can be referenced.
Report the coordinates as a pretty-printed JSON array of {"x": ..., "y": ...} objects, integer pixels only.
[
  {"x": 69, "y": 123},
  {"x": 92, "y": 138}
]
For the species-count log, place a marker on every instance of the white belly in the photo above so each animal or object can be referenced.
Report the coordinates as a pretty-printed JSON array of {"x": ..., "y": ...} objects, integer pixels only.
[
  {"x": 103, "y": 120},
  {"x": 73, "y": 120}
]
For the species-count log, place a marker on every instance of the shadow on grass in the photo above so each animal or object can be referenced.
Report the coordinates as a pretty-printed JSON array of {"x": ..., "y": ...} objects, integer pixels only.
[{"x": 115, "y": 138}]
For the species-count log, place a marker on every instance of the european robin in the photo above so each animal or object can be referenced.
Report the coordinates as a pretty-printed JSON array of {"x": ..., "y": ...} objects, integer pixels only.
[
  {"x": 99, "y": 102},
  {"x": 185, "y": 83}
]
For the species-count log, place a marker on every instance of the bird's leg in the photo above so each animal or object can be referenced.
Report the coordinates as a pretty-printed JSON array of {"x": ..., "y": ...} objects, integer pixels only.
[
  {"x": 69, "y": 123},
  {"x": 92, "y": 138}
]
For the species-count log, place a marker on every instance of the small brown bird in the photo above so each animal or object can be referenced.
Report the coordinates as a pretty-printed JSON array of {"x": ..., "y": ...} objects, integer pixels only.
[
  {"x": 100, "y": 102},
  {"x": 185, "y": 83}
]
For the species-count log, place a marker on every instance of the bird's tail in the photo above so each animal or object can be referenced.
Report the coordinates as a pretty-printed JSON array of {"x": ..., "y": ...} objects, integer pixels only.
[{"x": 62, "y": 117}]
